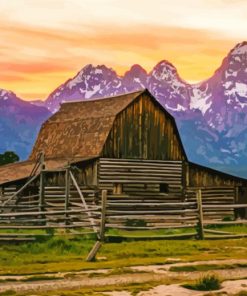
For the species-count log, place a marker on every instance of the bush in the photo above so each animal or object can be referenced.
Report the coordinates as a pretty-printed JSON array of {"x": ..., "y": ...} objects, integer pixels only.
[
  {"x": 206, "y": 283},
  {"x": 8, "y": 157}
]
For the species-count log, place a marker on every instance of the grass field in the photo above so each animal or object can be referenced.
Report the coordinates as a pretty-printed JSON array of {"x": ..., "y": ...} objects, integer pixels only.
[{"x": 60, "y": 253}]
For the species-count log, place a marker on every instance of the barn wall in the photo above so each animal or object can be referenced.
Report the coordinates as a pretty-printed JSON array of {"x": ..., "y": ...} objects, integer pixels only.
[
  {"x": 144, "y": 131},
  {"x": 85, "y": 174},
  {"x": 199, "y": 176},
  {"x": 141, "y": 177}
]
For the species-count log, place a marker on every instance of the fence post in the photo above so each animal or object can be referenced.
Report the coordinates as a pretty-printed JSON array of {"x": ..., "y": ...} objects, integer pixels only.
[
  {"x": 103, "y": 214},
  {"x": 200, "y": 214},
  {"x": 236, "y": 201},
  {"x": 67, "y": 193},
  {"x": 42, "y": 183},
  {"x": 42, "y": 188}
]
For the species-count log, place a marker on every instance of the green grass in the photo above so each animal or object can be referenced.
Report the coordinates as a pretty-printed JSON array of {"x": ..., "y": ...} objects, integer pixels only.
[
  {"x": 150, "y": 233},
  {"x": 231, "y": 228},
  {"x": 41, "y": 278},
  {"x": 68, "y": 254},
  {"x": 26, "y": 231},
  {"x": 58, "y": 253},
  {"x": 206, "y": 267}
]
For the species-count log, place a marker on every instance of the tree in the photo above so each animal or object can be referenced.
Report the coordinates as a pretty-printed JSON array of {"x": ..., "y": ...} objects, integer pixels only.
[{"x": 8, "y": 157}]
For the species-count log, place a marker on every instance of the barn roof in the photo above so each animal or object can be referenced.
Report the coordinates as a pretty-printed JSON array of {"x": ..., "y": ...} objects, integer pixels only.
[
  {"x": 80, "y": 129},
  {"x": 22, "y": 170}
]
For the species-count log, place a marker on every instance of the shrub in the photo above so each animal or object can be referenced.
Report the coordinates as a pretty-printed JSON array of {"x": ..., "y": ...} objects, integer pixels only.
[{"x": 206, "y": 283}]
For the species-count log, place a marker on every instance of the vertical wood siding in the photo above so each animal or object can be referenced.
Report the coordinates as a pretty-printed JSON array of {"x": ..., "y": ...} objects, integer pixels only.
[
  {"x": 202, "y": 177},
  {"x": 143, "y": 131}
]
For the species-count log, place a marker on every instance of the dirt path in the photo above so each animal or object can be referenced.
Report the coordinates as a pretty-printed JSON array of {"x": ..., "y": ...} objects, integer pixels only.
[
  {"x": 143, "y": 274},
  {"x": 228, "y": 288}
]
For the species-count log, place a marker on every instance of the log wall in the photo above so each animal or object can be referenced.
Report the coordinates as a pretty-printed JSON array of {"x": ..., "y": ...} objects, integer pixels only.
[{"x": 142, "y": 177}]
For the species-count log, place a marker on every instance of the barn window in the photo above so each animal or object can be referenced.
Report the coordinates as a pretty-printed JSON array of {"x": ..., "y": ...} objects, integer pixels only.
[{"x": 164, "y": 188}]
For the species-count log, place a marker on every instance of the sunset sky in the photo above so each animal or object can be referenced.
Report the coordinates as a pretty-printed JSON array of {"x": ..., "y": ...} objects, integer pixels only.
[{"x": 45, "y": 42}]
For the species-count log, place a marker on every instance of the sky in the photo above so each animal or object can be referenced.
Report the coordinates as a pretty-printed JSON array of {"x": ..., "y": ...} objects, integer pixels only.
[{"x": 45, "y": 42}]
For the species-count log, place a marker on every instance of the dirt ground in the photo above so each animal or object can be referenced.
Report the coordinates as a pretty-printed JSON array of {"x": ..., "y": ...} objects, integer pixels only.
[
  {"x": 228, "y": 288},
  {"x": 233, "y": 280}
]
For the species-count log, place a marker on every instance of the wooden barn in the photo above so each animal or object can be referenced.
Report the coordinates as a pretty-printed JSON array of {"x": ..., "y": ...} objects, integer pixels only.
[{"x": 129, "y": 145}]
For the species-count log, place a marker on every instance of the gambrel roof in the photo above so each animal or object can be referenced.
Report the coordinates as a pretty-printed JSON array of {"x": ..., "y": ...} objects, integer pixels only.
[{"x": 80, "y": 129}]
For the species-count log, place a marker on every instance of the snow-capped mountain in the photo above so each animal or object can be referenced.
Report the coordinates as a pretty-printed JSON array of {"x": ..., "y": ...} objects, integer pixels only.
[
  {"x": 225, "y": 91},
  {"x": 99, "y": 81},
  {"x": 19, "y": 123},
  {"x": 90, "y": 82},
  {"x": 223, "y": 98},
  {"x": 166, "y": 85}
]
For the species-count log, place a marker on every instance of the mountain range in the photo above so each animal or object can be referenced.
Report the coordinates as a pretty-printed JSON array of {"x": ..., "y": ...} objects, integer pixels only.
[{"x": 211, "y": 115}]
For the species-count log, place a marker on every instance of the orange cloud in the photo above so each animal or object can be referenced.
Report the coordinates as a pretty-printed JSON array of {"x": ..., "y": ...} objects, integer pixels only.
[
  {"x": 33, "y": 67},
  {"x": 44, "y": 58}
]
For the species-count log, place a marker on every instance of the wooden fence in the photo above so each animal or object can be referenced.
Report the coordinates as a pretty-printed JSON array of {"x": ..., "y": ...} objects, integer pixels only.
[
  {"x": 148, "y": 212},
  {"x": 129, "y": 214},
  {"x": 37, "y": 205}
]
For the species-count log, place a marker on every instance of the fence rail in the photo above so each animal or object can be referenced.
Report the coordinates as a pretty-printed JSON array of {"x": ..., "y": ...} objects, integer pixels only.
[
  {"x": 37, "y": 205},
  {"x": 130, "y": 214},
  {"x": 149, "y": 213}
]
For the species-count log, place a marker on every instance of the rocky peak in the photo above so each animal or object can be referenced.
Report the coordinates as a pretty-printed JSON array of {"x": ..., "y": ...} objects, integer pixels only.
[
  {"x": 164, "y": 71},
  {"x": 136, "y": 70},
  {"x": 134, "y": 79},
  {"x": 239, "y": 49}
]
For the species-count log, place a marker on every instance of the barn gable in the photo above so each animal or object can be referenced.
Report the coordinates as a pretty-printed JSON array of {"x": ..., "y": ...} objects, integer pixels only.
[{"x": 144, "y": 129}]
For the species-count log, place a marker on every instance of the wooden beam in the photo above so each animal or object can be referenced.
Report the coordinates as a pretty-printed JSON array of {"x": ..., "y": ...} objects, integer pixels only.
[
  {"x": 20, "y": 190},
  {"x": 84, "y": 202},
  {"x": 13, "y": 214},
  {"x": 67, "y": 191},
  {"x": 41, "y": 190},
  {"x": 103, "y": 214},
  {"x": 93, "y": 252},
  {"x": 200, "y": 214}
]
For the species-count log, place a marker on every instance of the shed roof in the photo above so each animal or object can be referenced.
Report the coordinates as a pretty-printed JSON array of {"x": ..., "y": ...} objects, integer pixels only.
[
  {"x": 22, "y": 170},
  {"x": 80, "y": 129}
]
